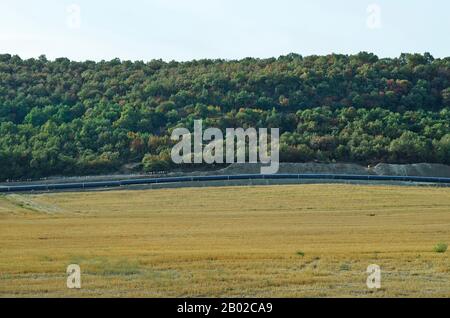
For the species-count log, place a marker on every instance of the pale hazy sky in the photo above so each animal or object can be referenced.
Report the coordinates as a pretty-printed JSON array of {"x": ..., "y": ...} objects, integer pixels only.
[{"x": 194, "y": 29}]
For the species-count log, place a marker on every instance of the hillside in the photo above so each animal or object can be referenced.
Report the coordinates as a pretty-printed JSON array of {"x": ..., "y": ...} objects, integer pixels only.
[{"x": 64, "y": 117}]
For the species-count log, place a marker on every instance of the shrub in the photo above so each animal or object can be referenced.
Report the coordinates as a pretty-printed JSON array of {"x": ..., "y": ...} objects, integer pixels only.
[
  {"x": 154, "y": 163},
  {"x": 440, "y": 248}
]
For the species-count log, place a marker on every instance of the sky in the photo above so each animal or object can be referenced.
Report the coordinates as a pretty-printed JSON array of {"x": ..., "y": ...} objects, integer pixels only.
[{"x": 230, "y": 29}]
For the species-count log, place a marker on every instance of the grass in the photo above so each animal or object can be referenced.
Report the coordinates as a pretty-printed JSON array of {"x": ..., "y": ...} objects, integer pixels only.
[
  {"x": 440, "y": 248},
  {"x": 345, "y": 267},
  {"x": 218, "y": 242}
]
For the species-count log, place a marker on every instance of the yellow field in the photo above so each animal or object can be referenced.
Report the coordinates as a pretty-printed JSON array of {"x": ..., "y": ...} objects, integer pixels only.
[{"x": 269, "y": 241}]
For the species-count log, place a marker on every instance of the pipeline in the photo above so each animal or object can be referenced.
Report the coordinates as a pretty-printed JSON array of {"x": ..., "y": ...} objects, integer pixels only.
[{"x": 120, "y": 183}]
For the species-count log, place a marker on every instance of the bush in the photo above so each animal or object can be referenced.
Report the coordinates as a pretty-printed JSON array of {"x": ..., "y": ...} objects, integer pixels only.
[
  {"x": 440, "y": 248},
  {"x": 154, "y": 163}
]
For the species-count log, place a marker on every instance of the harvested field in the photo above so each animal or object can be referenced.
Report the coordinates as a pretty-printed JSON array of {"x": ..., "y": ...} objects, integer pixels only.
[{"x": 272, "y": 241}]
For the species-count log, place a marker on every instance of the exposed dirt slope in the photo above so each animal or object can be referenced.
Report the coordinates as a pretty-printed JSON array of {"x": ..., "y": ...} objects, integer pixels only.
[{"x": 420, "y": 170}]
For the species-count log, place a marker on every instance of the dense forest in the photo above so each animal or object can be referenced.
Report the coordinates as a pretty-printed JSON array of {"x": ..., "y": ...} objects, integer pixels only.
[{"x": 64, "y": 117}]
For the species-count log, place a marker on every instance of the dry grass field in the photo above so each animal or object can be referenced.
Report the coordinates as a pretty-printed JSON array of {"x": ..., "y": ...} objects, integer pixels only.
[{"x": 269, "y": 241}]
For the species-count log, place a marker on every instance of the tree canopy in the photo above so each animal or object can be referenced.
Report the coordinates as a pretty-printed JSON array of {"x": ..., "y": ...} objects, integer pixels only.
[{"x": 66, "y": 117}]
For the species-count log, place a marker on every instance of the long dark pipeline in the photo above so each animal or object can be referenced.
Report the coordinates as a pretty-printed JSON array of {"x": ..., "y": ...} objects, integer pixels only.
[{"x": 112, "y": 184}]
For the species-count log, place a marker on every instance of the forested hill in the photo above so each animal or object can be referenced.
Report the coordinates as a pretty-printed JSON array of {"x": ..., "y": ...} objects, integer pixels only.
[{"x": 65, "y": 117}]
